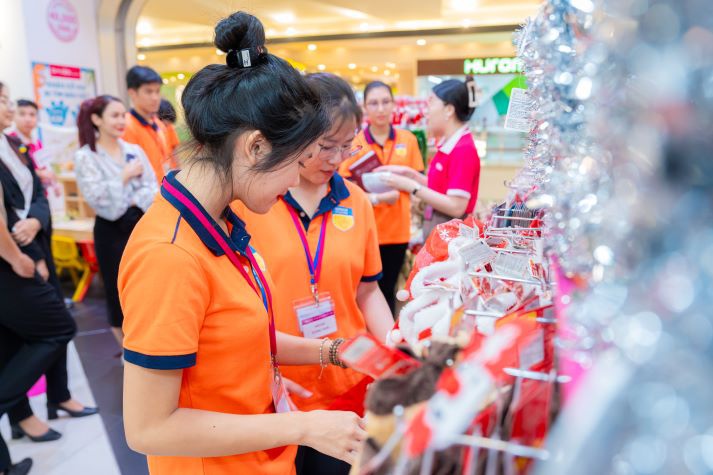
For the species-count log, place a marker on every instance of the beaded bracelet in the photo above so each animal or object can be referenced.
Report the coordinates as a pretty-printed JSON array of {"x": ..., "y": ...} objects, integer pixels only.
[{"x": 334, "y": 353}]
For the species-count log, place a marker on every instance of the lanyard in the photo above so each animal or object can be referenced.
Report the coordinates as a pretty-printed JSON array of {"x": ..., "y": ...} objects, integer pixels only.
[
  {"x": 262, "y": 289},
  {"x": 314, "y": 265}
]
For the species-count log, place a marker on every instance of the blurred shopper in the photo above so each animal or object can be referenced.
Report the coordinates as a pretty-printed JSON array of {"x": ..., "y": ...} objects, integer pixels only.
[
  {"x": 117, "y": 181},
  {"x": 35, "y": 325},
  {"x": 392, "y": 209},
  {"x": 167, "y": 115},
  {"x": 451, "y": 188}
]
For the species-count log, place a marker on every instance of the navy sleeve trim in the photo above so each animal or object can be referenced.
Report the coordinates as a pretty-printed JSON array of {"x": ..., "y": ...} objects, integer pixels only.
[
  {"x": 160, "y": 362},
  {"x": 372, "y": 278}
]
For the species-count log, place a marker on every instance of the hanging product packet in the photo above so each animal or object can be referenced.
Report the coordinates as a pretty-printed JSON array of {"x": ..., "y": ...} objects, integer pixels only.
[{"x": 369, "y": 356}]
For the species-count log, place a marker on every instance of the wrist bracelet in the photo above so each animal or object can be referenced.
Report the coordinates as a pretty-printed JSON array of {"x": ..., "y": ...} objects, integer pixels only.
[
  {"x": 322, "y": 364},
  {"x": 334, "y": 353}
]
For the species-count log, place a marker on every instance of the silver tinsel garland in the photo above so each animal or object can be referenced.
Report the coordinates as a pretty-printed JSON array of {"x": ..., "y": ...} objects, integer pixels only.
[{"x": 622, "y": 153}]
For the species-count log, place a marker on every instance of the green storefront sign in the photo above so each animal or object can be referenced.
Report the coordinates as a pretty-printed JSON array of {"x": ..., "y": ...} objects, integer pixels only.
[{"x": 477, "y": 66}]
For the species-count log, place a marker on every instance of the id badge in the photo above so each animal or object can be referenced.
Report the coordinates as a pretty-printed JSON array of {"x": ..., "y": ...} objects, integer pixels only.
[
  {"x": 280, "y": 396},
  {"x": 316, "y": 319}
]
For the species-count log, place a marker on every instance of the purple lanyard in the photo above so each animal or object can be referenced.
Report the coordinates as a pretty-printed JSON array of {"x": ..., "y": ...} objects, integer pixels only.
[
  {"x": 264, "y": 288},
  {"x": 314, "y": 265}
]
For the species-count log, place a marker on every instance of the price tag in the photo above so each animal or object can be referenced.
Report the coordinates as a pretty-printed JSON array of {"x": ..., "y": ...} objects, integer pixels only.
[
  {"x": 519, "y": 111},
  {"x": 466, "y": 231},
  {"x": 477, "y": 254},
  {"x": 512, "y": 265}
]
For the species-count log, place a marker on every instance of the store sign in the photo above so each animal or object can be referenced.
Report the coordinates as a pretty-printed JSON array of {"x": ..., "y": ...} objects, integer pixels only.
[
  {"x": 63, "y": 20},
  {"x": 60, "y": 90},
  {"x": 478, "y": 66}
]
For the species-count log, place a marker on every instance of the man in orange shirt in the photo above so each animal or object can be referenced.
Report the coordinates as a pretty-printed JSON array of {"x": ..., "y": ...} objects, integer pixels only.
[{"x": 142, "y": 126}]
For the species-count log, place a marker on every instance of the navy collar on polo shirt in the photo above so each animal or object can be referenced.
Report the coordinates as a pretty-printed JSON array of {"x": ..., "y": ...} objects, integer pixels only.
[
  {"x": 143, "y": 121},
  {"x": 338, "y": 192},
  {"x": 239, "y": 238},
  {"x": 370, "y": 138}
]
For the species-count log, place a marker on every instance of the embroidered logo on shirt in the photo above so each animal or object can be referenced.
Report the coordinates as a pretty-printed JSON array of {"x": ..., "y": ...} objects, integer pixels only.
[
  {"x": 401, "y": 149},
  {"x": 439, "y": 166},
  {"x": 343, "y": 218}
]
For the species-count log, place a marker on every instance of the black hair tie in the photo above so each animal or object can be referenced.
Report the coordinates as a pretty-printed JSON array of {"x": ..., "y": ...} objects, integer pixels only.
[{"x": 246, "y": 58}]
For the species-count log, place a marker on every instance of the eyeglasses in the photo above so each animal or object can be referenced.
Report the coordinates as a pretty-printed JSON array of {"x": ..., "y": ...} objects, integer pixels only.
[
  {"x": 347, "y": 151},
  {"x": 375, "y": 104},
  {"x": 10, "y": 104}
]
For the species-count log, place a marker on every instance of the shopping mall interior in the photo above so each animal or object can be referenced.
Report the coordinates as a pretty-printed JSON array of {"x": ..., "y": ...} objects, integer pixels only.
[{"x": 591, "y": 229}]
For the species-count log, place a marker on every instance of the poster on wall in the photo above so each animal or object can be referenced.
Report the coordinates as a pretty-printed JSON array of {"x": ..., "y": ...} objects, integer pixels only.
[{"x": 60, "y": 90}]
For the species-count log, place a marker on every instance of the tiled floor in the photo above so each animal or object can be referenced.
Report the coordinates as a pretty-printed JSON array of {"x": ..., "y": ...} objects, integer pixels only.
[{"x": 91, "y": 445}]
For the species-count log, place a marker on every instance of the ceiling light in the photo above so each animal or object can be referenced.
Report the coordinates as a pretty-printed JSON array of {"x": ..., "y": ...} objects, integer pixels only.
[
  {"x": 421, "y": 42},
  {"x": 141, "y": 57},
  {"x": 284, "y": 17},
  {"x": 291, "y": 31},
  {"x": 165, "y": 81},
  {"x": 391, "y": 65},
  {"x": 271, "y": 32},
  {"x": 435, "y": 79},
  {"x": 374, "y": 69},
  {"x": 144, "y": 27},
  {"x": 364, "y": 27},
  {"x": 312, "y": 47},
  {"x": 387, "y": 72},
  {"x": 351, "y": 66},
  {"x": 181, "y": 76},
  {"x": 463, "y": 5},
  {"x": 321, "y": 67}
]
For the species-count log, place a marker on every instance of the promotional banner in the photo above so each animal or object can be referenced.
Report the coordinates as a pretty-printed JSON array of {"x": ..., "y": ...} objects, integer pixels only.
[{"x": 60, "y": 90}]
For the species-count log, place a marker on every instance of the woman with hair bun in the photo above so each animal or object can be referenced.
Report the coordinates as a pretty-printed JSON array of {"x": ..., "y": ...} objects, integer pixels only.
[
  {"x": 451, "y": 188},
  {"x": 118, "y": 183},
  {"x": 202, "y": 385}
]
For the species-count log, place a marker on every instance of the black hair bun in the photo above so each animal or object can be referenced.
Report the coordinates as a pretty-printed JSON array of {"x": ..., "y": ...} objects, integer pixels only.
[{"x": 239, "y": 31}]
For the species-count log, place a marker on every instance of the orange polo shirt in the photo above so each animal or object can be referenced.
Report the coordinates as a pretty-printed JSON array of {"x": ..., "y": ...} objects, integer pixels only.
[
  {"x": 151, "y": 137},
  {"x": 208, "y": 322},
  {"x": 401, "y": 148},
  {"x": 351, "y": 256}
]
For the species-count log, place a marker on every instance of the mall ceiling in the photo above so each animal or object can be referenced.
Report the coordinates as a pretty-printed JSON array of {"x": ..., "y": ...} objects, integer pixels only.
[{"x": 166, "y": 23}]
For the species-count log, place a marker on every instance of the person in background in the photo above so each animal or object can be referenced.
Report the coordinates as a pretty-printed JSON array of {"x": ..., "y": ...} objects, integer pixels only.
[
  {"x": 35, "y": 326},
  {"x": 324, "y": 212},
  {"x": 24, "y": 129},
  {"x": 167, "y": 115},
  {"x": 143, "y": 128},
  {"x": 451, "y": 188},
  {"x": 117, "y": 181},
  {"x": 392, "y": 209}
]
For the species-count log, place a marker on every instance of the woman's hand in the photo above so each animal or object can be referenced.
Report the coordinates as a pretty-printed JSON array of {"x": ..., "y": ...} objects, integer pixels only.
[
  {"x": 295, "y": 389},
  {"x": 25, "y": 230},
  {"x": 399, "y": 182},
  {"x": 43, "y": 270},
  {"x": 338, "y": 434},
  {"x": 131, "y": 170},
  {"x": 24, "y": 266},
  {"x": 402, "y": 170}
]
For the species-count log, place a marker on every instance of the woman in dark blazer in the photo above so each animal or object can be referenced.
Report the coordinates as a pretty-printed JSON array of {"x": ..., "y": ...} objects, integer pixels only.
[{"x": 35, "y": 326}]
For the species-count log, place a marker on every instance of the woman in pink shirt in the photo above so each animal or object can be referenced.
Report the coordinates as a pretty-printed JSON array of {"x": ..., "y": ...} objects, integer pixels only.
[{"x": 451, "y": 188}]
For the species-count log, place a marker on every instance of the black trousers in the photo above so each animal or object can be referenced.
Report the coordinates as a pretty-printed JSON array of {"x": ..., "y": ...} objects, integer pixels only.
[
  {"x": 311, "y": 462},
  {"x": 35, "y": 328},
  {"x": 392, "y": 260},
  {"x": 110, "y": 238}
]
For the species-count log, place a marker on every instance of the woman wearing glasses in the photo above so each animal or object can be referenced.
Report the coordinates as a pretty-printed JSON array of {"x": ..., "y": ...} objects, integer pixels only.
[
  {"x": 320, "y": 245},
  {"x": 392, "y": 209}
]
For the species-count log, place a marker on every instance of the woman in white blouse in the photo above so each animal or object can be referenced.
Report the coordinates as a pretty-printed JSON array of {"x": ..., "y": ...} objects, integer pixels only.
[{"x": 117, "y": 181}]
